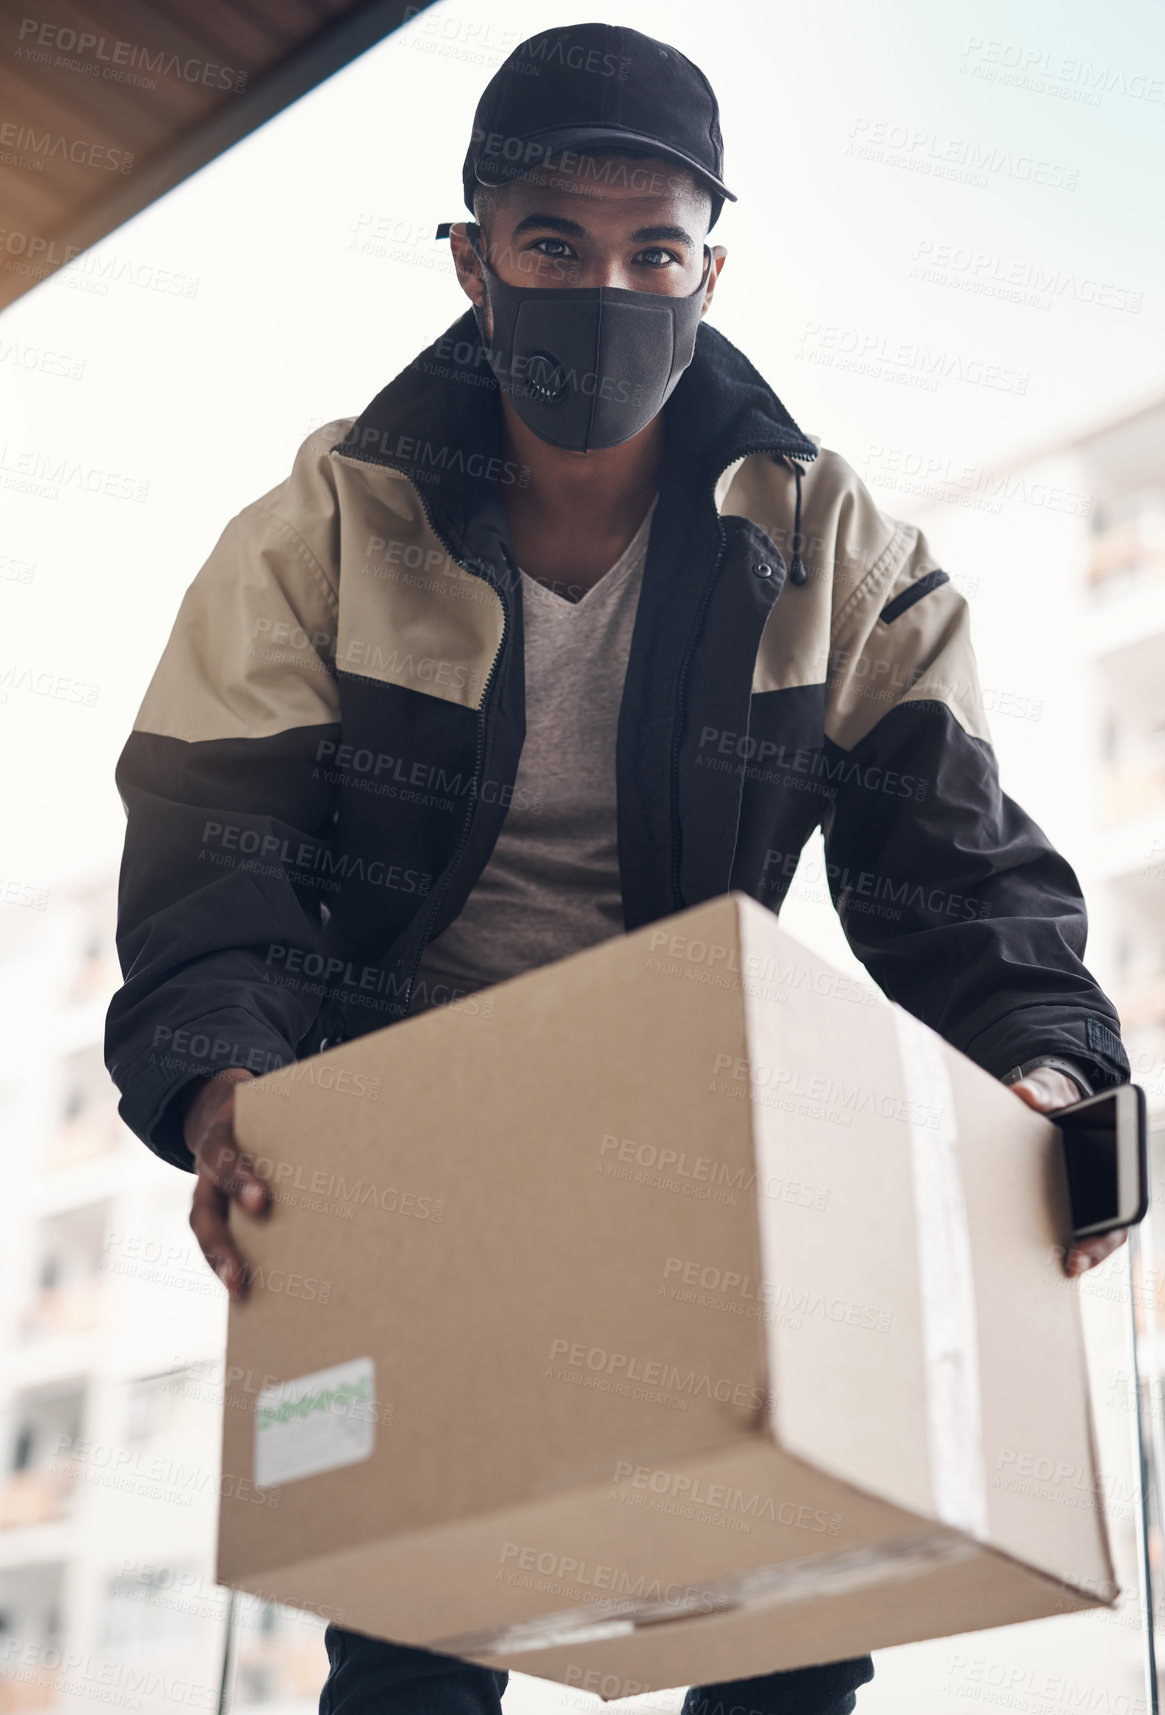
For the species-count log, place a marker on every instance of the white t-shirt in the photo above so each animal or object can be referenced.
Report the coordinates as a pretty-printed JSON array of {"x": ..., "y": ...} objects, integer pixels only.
[{"x": 551, "y": 886}]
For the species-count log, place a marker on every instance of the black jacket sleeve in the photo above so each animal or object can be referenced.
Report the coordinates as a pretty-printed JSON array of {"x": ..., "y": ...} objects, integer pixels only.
[
  {"x": 950, "y": 894},
  {"x": 229, "y": 813}
]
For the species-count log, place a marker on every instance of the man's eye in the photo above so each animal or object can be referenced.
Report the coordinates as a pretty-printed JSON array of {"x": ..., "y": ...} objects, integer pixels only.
[
  {"x": 656, "y": 258},
  {"x": 562, "y": 250}
]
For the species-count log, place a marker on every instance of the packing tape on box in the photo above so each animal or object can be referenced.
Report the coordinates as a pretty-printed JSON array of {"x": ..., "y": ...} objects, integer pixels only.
[
  {"x": 809, "y": 1579},
  {"x": 950, "y": 1331}
]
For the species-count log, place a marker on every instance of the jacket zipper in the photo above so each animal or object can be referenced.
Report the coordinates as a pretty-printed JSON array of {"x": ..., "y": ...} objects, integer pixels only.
[
  {"x": 474, "y": 571},
  {"x": 441, "y": 890},
  {"x": 678, "y": 901}
]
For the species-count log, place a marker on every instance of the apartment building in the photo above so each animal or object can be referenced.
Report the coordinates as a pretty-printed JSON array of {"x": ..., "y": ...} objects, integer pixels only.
[
  {"x": 110, "y": 1372},
  {"x": 1062, "y": 557}
]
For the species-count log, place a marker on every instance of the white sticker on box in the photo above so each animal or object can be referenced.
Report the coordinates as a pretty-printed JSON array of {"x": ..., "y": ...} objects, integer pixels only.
[{"x": 315, "y": 1423}]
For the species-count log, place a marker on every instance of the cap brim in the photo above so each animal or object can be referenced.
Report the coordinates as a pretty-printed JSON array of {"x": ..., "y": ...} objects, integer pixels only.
[{"x": 574, "y": 136}]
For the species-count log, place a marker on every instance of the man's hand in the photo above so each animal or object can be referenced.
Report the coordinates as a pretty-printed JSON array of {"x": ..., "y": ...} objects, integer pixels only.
[
  {"x": 223, "y": 1172},
  {"x": 1046, "y": 1090}
]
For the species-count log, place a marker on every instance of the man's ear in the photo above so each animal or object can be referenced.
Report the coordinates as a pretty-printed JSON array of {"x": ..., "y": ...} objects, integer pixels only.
[
  {"x": 718, "y": 257},
  {"x": 466, "y": 259}
]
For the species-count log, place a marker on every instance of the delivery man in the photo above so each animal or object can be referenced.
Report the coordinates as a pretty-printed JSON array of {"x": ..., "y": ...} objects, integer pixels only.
[{"x": 570, "y": 629}]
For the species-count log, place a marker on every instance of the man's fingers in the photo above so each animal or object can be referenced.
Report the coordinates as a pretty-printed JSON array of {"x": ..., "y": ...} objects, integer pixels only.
[
  {"x": 224, "y": 1172},
  {"x": 1085, "y": 1255},
  {"x": 209, "y": 1129},
  {"x": 1045, "y": 1089},
  {"x": 208, "y": 1222},
  {"x": 220, "y": 1159}
]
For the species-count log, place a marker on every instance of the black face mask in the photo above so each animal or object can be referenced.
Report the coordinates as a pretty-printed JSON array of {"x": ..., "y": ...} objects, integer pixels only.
[{"x": 588, "y": 366}]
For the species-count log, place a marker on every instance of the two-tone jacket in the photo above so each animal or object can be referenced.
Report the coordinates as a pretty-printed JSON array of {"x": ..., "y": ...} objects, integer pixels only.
[{"x": 328, "y": 746}]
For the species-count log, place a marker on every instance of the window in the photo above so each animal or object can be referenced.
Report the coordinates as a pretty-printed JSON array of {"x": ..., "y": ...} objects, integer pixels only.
[{"x": 155, "y": 1604}]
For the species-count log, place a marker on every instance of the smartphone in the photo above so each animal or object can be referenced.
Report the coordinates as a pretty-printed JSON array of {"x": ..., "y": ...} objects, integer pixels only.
[{"x": 1106, "y": 1154}]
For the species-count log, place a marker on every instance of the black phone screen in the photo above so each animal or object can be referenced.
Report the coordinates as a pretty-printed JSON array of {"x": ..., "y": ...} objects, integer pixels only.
[{"x": 1090, "y": 1148}]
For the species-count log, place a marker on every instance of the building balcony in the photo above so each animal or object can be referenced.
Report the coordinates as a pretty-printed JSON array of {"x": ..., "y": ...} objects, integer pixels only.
[
  {"x": 25, "y": 1688},
  {"x": 1141, "y": 1002},
  {"x": 1135, "y": 789},
  {"x": 85, "y": 1138},
  {"x": 1129, "y": 547},
  {"x": 37, "y": 1496},
  {"x": 98, "y": 973},
  {"x": 280, "y": 1669},
  {"x": 1126, "y": 580},
  {"x": 71, "y": 1309}
]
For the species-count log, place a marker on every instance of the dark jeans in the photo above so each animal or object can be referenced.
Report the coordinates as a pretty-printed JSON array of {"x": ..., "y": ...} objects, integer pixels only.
[{"x": 373, "y": 1678}]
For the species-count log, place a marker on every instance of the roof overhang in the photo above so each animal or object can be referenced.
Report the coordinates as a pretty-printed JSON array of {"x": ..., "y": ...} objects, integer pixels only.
[{"x": 104, "y": 109}]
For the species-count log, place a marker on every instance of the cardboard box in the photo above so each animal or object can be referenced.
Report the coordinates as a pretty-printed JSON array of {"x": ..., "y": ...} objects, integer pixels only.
[{"x": 680, "y": 1311}]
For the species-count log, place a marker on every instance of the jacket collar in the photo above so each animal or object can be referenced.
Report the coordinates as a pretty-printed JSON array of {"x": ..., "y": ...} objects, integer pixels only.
[{"x": 439, "y": 422}]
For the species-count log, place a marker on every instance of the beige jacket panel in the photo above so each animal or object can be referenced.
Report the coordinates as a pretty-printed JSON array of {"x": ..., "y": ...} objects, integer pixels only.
[
  {"x": 410, "y": 615},
  {"x": 829, "y": 629},
  {"x": 249, "y": 652}
]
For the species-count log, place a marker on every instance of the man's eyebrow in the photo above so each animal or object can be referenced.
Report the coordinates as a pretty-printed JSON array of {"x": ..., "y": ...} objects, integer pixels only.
[
  {"x": 571, "y": 229},
  {"x": 556, "y": 223},
  {"x": 660, "y": 234}
]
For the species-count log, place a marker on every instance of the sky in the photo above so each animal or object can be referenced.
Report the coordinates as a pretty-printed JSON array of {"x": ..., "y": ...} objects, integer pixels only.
[{"x": 946, "y": 244}]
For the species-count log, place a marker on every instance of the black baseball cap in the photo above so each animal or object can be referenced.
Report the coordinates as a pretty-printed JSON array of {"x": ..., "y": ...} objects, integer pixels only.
[{"x": 583, "y": 84}]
